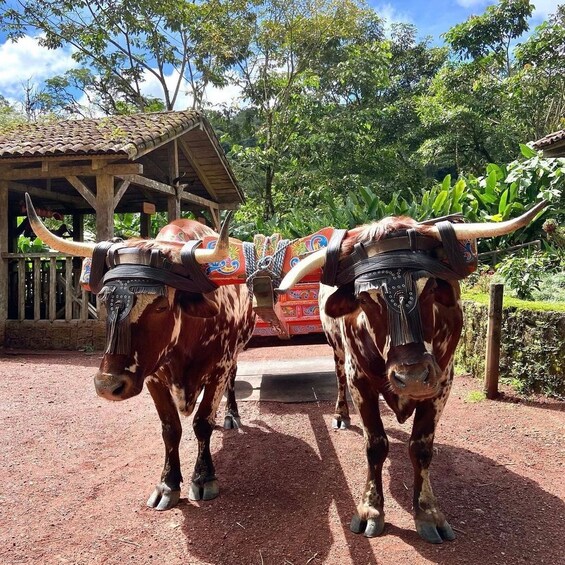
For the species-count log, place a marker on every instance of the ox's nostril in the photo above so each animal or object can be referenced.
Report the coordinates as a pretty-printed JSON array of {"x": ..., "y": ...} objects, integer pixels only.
[
  {"x": 426, "y": 376},
  {"x": 399, "y": 381},
  {"x": 119, "y": 389}
]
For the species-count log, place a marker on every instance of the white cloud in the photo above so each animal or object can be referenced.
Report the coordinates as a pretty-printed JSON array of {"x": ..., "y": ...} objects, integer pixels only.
[
  {"x": 25, "y": 61},
  {"x": 391, "y": 15},
  {"x": 474, "y": 3},
  {"x": 213, "y": 96},
  {"x": 544, "y": 8}
]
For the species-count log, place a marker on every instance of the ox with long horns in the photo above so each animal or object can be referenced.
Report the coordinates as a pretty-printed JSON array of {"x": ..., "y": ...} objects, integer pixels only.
[
  {"x": 390, "y": 307},
  {"x": 173, "y": 328}
]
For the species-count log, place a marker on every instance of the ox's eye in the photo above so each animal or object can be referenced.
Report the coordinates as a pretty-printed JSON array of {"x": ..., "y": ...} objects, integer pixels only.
[{"x": 160, "y": 305}]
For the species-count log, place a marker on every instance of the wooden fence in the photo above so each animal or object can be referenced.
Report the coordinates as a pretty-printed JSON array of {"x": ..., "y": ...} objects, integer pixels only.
[{"x": 45, "y": 286}]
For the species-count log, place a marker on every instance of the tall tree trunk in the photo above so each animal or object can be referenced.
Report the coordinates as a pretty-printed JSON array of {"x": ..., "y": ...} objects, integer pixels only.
[{"x": 268, "y": 205}]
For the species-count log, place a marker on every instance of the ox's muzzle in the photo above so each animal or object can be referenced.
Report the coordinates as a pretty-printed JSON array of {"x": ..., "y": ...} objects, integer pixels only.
[
  {"x": 116, "y": 387},
  {"x": 413, "y": 373}
]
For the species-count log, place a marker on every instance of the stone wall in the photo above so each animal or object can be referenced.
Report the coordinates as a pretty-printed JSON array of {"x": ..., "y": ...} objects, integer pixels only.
[
  {"x": 532, "y": 355},
  {"x": 75, "y": 335}
]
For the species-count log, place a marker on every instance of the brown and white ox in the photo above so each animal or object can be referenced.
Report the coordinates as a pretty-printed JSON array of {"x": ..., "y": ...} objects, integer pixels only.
[
  {"x": 394, "y": 318},
  {"x": 180, "y": 343}
]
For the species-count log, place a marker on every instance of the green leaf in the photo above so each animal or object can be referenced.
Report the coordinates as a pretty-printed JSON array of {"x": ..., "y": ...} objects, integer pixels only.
[{"x": 526, "y": 151}]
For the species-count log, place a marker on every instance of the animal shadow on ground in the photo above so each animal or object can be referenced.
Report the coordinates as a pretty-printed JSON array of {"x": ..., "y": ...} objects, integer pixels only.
[
  {"x": 499, "y": 516},
  {"x": 274, "y": 502}
]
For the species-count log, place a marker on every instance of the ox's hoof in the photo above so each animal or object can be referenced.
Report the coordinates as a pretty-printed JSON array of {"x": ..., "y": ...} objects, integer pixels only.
[
  {"x": 435, "y": 534},
  {"x": 163, "y": 497},
  {"x": 207, "y": 491},
  {"x": 232, "y": 422},
  {"x": 370, "y": 528},
  {"x": 341, "y": 423}
]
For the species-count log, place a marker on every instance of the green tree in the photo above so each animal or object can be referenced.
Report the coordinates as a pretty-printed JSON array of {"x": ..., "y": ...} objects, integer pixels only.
[
  {"x": 119, "y": 45},
  {"x": 299, "y": 52},
  {"x": 490, "y": 35},
  {"x": 470, "y": 110}
]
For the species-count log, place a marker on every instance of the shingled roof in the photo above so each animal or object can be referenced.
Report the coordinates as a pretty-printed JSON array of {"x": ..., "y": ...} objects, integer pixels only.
[
  {"x": 130, "y": 135},
  {"x": 40, "y": 155},
  {"x": 552, "y": 144}
]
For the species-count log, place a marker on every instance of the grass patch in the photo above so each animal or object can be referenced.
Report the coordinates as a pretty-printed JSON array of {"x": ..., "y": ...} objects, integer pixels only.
[
  {"x": 511, "y": 302},
  {"x": 475, "y": 396}
]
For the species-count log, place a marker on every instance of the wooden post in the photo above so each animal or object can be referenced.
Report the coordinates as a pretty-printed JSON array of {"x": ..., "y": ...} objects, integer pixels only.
[
  {"x": 4, "y": 243},
  {"x": 145, "y": 225},
  {"x": 78, "y": 227},
  {"x": 104, "y": 207},
  {"x": 173, "y": 202},
  {"x": 492, "y": 362}
]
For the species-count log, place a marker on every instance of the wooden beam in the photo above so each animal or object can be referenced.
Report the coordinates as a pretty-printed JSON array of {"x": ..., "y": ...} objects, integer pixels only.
[
  {"x": 122, "y": 187},
  {"x": 167, "y": 189},
  {"x": 149, "y": 183},
  {"x": 83, "y": 190},
  {"x": 104, "y": 207},
  {"x": 42, "y": 193},
  {"x": 222, "y": 157},
  {"x": 58, "y": 171},
  {"x": 192, "y": 198},
  {"x": 188, "y": 153},
  {"x": 4, "y": 242}
]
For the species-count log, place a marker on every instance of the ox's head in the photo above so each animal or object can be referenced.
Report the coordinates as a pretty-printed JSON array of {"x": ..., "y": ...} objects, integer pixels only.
[
  {"x": 148, "y": 287},
  {"x": 398, "y": 280}
]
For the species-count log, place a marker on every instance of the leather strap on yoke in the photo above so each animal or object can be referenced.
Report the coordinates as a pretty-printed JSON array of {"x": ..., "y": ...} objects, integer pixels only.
[
  {"x": 98, "y": 266},
  {"x": 187, "y": 256},
  {"x": 452, "y": 249},
  {"x": 329, "y": 273}
]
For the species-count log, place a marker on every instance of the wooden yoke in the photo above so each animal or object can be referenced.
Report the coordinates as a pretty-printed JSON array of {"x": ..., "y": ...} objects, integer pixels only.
[{"x": 298, "y": 310}]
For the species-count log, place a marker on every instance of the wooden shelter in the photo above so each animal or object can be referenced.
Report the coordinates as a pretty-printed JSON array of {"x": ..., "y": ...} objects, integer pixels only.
[
  {"x": 552, "y": 145},
  {"x": 165, "y": 161}
]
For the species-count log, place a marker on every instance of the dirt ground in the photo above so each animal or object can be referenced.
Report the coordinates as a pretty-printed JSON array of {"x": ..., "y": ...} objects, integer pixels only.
[{"x": 76, "y": 472}]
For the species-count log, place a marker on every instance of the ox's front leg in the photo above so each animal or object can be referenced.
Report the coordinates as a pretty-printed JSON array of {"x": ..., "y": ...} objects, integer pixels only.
[
  {"x": 431, "y": 524},
  {"x": 204, "y": 484},
  {"x": 370, "y": 518},
  {"x": 167, "y": 492}
]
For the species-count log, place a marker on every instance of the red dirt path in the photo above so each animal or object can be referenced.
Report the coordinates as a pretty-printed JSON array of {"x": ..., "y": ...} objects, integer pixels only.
[{"x": 76, "y": 471}]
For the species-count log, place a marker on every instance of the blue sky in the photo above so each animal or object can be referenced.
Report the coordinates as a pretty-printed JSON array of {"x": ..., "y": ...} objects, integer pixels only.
[
  {"x": 434, "y": 17},
  {"x": 26, "y": 62}
]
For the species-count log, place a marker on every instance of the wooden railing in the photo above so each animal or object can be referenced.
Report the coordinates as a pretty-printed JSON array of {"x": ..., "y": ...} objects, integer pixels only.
[{"x": 45, "y": 286}]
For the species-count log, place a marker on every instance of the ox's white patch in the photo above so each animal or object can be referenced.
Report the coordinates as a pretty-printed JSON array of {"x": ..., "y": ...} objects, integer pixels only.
[
  {"x": 427, "y": 498},
  {"x": 135, "y": 365},
  {"x": 179, "y": 398}
]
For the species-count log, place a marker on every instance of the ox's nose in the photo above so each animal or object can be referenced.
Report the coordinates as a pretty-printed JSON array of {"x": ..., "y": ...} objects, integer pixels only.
[
  {"x": 112, "y": 387},
  {"x": 420, "y": 375}
]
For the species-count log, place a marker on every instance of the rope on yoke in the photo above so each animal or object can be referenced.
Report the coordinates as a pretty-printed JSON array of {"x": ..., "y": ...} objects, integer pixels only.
[{"x": 271, "y": 265}]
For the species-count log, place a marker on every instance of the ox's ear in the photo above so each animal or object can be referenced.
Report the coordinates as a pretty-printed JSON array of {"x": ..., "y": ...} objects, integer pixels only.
[
  {"x": 197, "y": 305},
  {"x": 341, "y": 302}
]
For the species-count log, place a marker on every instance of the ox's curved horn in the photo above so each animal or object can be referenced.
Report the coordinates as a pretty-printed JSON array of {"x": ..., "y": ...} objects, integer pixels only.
[
  {"x": 493, "y": 229},
  {"x": 221, "y": 251},
  {"x": 76, "y": 248},
  {"x": 307, "y": 265}
]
